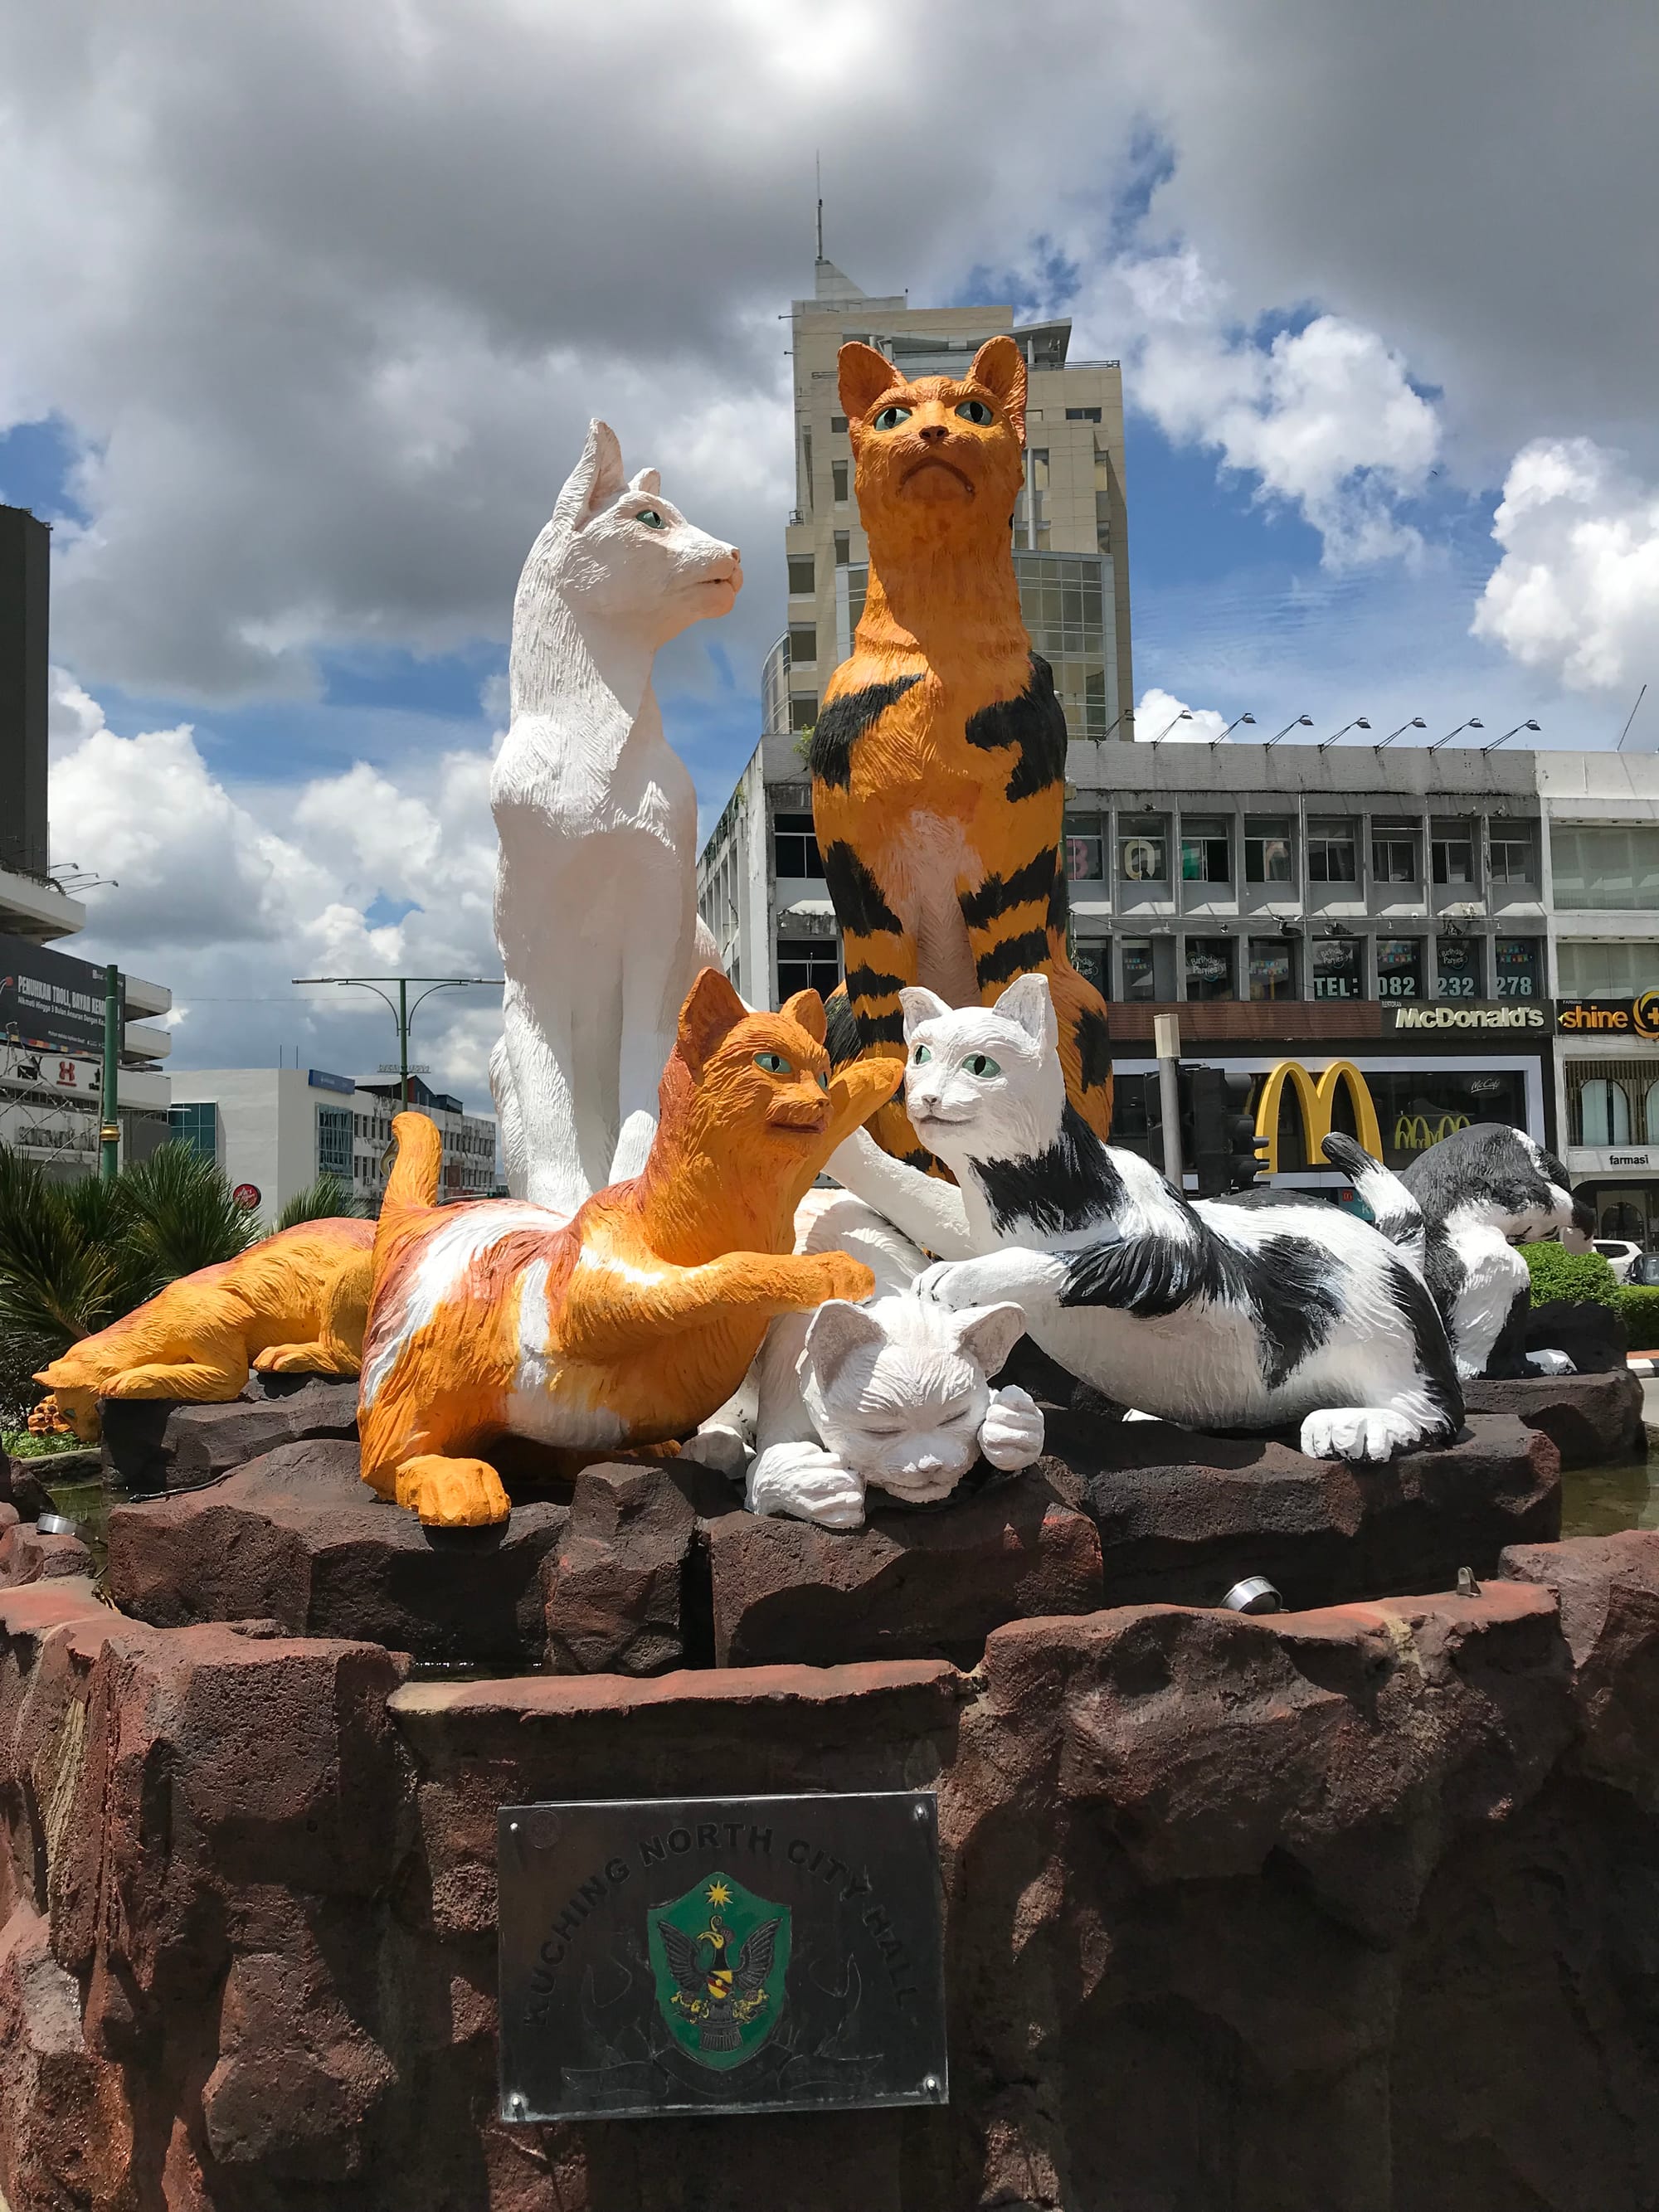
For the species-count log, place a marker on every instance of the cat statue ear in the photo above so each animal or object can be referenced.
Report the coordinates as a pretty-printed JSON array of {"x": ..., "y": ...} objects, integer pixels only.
[
  {"x": 1028, "y": 1003},
  {"x": 647, "y": 480},
  {"x": 863, "y": 375},
  {"x": 598, "y": 478},
  {"x": 837, "y": 1331},
  {"x": 712, "y": 1011},
  {"x": 988, "y": 1334},
  {"x": 999, "y": 367},
  {"x": 806, "y": 1010},
  {"x": 920, "y": 1006}
]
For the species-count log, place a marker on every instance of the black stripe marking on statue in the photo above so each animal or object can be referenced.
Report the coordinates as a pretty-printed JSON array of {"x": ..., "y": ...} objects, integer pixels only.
[
  {"x": 1036, "y": 723},
  {"x": 1094, "y": 1048},
  {"x": 998, "y": 895},
  {"x": 1071, "y": 1184},
  {"x": 843, "y": 722},
  {"x": 874, "y": 983},
  {"x": 856, "y": 894},
  {"x": 1014, "y": 955},
  {"x": 1434, "y": 1355}
]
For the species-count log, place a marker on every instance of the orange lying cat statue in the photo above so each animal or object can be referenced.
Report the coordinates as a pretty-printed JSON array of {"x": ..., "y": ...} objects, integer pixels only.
[
  {"x": 628, "y": 1325},
  {"x": 294, "y": 1303}
]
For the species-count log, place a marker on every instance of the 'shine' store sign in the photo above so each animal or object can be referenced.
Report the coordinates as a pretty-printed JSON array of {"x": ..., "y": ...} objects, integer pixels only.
[{"x": 1637, "y": 1016}]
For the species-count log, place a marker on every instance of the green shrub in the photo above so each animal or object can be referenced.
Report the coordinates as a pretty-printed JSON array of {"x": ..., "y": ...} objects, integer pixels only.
[
  {"x": 1638, "y": 1306},
  {"x": 1584, "y": 1276},
  {"x": 23, "y": 1443}
]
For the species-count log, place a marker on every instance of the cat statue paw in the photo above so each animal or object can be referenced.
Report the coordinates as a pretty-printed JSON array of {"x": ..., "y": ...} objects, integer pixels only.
[
  {"x": 805, "y": 1483},
  {"x": 1011, "y": 1435}
]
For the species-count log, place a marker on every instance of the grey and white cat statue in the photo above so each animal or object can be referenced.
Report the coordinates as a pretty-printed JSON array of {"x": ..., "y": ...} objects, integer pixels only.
[
  {"x": 1459, "y": 1210},
  {"x": 1225, "y": 1313},
  {"x": 893, "y": 1395}
]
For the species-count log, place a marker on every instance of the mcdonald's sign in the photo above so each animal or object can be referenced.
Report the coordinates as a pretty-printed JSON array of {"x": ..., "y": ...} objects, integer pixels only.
[{"x": 1316, "y": 1096}]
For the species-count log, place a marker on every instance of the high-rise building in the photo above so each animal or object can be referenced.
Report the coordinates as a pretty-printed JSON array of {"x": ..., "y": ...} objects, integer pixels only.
[
  {"x": 24, "y": 544},
  {"x": 1070, "y": 533}
]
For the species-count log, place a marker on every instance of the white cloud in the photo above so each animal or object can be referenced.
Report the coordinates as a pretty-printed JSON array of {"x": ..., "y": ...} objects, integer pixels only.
[
  {"x": 225, "y": 895},
  {"x": 1162, "y": 715},
  {"x": 1576, "y": 592}
]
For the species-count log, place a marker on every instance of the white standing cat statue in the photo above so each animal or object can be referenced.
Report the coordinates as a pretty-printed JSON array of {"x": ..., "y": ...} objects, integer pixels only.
[
  {"x": 1233, "y": 1313},
  {"x": 596, "y": 884},
  {"x": 894, "y": 1394}
]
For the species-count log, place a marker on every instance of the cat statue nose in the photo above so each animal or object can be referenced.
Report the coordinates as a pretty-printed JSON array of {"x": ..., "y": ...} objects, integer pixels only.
[{"x": 934, "y": 434}]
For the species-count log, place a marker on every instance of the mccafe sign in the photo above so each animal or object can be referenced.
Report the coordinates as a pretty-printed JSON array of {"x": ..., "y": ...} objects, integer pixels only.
[{"x": 1637, "y": 1016}]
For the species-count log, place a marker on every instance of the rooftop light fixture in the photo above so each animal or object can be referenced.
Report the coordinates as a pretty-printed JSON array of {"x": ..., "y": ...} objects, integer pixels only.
[
  {"x": 1507, "y": 735},
  {"x": 1302, "y": 722},
  {"x": 1230, "y": 728},
  {"x": 1475, "y": 722},
  {"x": 1415, "y": 723},
  {"x": 1359, "y": 723},
  {"x": 1185, "y": 715}
]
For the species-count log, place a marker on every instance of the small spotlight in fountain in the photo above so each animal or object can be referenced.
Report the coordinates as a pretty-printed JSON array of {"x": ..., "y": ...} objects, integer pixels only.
[
  {"x": 1254, "y": 1594},
  {"x": 57, "y": 1524}
]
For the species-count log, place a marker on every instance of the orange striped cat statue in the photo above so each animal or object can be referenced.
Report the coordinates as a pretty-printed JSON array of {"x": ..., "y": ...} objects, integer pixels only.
[
  {"x": 631, "y": 1322},
  {"x": 939, "y": 757},
  {"x": 292, "y": 1303}
]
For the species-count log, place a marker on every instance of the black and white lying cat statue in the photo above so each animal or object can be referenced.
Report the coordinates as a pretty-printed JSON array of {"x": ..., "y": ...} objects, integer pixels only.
[
  {"x": 1458, "y": 1211},
  {"x": 1225, "y": 1314}
]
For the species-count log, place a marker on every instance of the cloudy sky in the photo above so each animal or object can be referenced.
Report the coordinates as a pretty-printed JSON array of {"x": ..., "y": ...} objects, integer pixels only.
[{"x": 303, "y": 309}]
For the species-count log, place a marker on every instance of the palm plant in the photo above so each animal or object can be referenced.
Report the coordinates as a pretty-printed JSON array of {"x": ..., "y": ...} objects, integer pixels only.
[{"x": 327, "y": 1199}]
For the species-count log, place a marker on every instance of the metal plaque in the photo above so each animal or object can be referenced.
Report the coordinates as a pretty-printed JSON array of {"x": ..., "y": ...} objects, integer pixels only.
[{"x": 720, "y": 1954}]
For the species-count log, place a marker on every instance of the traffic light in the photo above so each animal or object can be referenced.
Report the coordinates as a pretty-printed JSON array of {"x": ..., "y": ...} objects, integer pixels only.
[{"x": 1224, "y": 1146}]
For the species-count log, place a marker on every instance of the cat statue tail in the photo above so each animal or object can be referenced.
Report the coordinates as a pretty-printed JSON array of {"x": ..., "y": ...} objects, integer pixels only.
[
  {"x": 412, "y": 1185},
  {"x": 1397, "y": 1213}
]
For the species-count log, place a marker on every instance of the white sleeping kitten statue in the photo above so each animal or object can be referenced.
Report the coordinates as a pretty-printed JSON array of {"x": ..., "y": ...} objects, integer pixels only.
[{"x": 893, "y": 1393}]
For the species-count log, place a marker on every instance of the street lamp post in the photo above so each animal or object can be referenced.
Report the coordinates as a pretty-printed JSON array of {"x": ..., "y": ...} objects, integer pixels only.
[
  {"x": 1415, "y": 723},
  {"x": 1475, "y": 722},
  {"x": 1507, "y": 735},
  {"x": 1358, "y": 723},
  {"x": 1302, "y": 722},
  {"x": 402, "y": 1011}
]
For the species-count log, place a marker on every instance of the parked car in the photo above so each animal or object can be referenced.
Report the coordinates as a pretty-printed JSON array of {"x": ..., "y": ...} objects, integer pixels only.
[
  {"x": 1645, "y": 1271},
  {"x": 1621, "y": 1255}
]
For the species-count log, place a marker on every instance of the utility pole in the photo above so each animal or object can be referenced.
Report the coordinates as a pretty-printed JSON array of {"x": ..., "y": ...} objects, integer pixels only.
[
  {"x": 402, "y": 1011},
  {"x": 109, "y": 1132},
  {"x": 1166, "y": 1033}
]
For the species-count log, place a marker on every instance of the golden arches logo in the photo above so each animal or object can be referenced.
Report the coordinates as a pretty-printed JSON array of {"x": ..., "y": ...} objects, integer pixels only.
[
  {"x": 1317, "y": 1098},
  {"x": 1412, "y": 1132}
]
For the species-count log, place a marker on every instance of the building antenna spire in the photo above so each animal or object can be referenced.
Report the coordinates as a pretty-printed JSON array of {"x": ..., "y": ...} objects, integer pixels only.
[{"x": 817, "y": 171}]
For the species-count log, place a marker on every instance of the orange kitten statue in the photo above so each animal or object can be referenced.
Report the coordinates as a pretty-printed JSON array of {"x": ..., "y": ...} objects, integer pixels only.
[
  {"x": 939, "y": 758},
  {"x": 630, "y": 1324},
  {"x": 292, "y": 1303}
]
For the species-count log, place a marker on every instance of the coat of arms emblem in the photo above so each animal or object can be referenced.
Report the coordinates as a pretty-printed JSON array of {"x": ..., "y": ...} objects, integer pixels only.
[{"x": 720, "y": 1956}]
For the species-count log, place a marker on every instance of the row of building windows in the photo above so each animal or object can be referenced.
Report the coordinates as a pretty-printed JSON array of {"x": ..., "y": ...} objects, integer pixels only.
[{"x": 1203, "y": 845}]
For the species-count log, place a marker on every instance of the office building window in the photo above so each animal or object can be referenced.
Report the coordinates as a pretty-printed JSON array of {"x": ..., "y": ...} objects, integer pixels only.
[
  {"x": 1518, "y": 968},
  {"x": 803, "y": 710},
  {"x": 1083, "y": 414},
  {"x": 1330, "y": 852},
  {"x": 1143, "y": 850},
  {"x": 1209, "y": 967},
  {"x": 1138, "y": 981},
  {"x": 1394, "y": 853},
  {"x": 1267, "y": 848},
  {"x": 794, "y": 847},
  {"x": 1085, "y": 849},
  {"x": 807, "y": 964},
  {"x": 803, "y": 643},
  {"x": 1603, "y": 1116},
  {"x": 837, "y": 421},
  {"x": 1604, "y": 867},
  {"x": 838, "y": 479},
  {"x": 1399, "y": 972},
  {"x": 1457, "y": 965},
  {"x": 800, "y": 573},
  {"x": 1512, "y": 859},
  {"x": 1337, "y": 973},
  {"x": 334, "y": 1141},
  {"x": 1452, "y": 852},
  {"x": 1093, "y": 962},
  {"x": 1606, "y": 971},
  {"x": 843, "y": 548},
  {"x": 1205, "y": 849},
  {"x": 1272, "y": 968},
  {"x": 1612, "y": 1101},
  {"x": 197, "y": 1125}
]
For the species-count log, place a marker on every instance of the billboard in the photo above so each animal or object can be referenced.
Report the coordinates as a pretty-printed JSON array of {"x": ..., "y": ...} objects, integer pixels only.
[{"x": 49, "y": 1001}]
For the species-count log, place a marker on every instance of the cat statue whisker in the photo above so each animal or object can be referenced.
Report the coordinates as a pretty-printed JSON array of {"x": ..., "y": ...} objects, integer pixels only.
[
  {"x": 1224, "y": 1313},
  {"x": 595, "y": 885}
]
